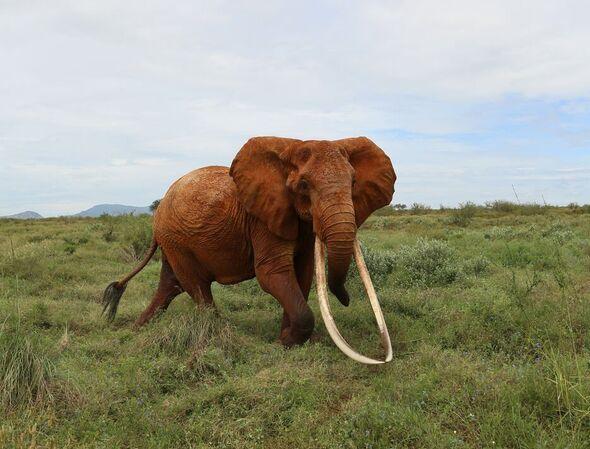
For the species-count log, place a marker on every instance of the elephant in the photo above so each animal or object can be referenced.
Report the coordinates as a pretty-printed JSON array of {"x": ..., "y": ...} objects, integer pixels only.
[{"x": 260, "y": 218}]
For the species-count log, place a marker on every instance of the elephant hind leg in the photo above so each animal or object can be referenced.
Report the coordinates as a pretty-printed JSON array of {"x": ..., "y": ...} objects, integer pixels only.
[
  {"x": 168, "y": 289},
  {"x": 193, "y": 278}
]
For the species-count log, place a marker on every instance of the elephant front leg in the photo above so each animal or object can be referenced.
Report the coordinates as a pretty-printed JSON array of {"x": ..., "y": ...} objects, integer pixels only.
[
  {"x": 274, "y": 264},
  {"x": 298, "y": 320},
  {"x": 304, "y": 271}
]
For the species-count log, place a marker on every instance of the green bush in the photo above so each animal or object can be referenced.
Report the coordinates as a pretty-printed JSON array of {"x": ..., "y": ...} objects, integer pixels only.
[
  {"x": 379, "y": 263},
  {"x": 428, "y": 263},
  {"x": 385, "y": 211},
  {"x": 532, "y": 209},
  {"x": 378, "y": 223},
  {"x": 501, "y": 206},
  {"x": 476, "y": 266},
  {"x": 500, "y": 232},
  {"x": 559, "y": 232},
  {"x": 464, "y": 215},
  {"x": 419, "y": 208},
  {"x": 516, "y": 256},
  {"x": 108, "y": 233},
  {"x": 521, "y": 209}
]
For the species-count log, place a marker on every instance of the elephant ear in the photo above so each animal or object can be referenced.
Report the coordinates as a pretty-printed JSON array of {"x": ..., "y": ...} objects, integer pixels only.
[
  {"x": 261, "y": 177},
  {"x": 374, "y": 174}
]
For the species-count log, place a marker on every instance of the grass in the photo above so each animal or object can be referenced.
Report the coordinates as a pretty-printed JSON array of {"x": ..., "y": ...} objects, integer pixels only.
[
  {"x": 25, "y": 370},
  {"x": 487, "y": 309}
]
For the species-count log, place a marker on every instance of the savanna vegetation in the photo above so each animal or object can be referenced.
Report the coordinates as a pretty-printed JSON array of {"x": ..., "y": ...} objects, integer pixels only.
[{"x": 488, "y": 309}]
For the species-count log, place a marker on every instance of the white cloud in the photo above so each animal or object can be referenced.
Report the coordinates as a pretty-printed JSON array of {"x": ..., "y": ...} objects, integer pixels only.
[{"x": 157, "y": 88}]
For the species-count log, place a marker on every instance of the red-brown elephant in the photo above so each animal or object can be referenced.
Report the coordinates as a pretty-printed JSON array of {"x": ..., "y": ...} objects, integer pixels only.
[{"x": 260, "y": 218}]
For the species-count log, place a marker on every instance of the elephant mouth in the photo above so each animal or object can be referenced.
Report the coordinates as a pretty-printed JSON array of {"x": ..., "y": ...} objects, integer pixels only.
[{"x": 322, "y": 291}]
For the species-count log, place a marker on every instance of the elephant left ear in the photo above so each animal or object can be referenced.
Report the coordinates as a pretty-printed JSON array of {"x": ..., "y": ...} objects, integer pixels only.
[
  {"x": 260, "y": 177},
  {"x": 374, "y": 174}
]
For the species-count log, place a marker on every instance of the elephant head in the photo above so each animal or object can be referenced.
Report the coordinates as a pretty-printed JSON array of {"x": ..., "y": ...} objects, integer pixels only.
[{"x": 335, "y": 185}]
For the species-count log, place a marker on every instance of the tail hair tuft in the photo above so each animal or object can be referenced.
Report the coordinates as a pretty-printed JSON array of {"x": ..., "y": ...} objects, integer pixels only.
[{"x": 110, "y": 299}]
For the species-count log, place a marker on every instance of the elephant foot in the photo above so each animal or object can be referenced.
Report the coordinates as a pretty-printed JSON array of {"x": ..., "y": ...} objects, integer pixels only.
[
  {"x": 290, "y": 337},
  {"x": 139, "y": 323}
]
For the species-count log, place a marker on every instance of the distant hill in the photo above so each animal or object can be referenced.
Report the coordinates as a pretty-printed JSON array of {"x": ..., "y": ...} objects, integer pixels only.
[
  {"x": 113, "y": 209},
  {"x": 26, "y": 215}
]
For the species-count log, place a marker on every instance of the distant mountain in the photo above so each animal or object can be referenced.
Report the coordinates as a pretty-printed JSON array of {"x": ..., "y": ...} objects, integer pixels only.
[
  {"x": 113, "y": 209},
  {"x": 26, "y": 215}
]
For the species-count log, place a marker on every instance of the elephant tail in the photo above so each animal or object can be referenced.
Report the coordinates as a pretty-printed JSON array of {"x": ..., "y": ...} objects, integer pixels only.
[{"x": 114, "y": 291}]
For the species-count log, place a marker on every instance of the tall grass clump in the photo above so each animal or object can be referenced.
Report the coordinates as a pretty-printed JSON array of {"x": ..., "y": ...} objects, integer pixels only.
[
  {"x": 428, "y": 263},
  {"x": 210, "y": 342},
  {"x": 25, "y": 370},
  {"x": 570, "y": 386}
]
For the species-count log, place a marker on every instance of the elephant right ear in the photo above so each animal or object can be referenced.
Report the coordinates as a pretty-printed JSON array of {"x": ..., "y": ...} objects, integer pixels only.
[{"x": 261, "y": 177}]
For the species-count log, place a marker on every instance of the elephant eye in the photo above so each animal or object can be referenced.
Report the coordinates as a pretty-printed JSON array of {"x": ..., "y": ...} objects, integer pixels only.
[
  {"x": 303, "y": 185},
  {"x": 353, "y": 182}
]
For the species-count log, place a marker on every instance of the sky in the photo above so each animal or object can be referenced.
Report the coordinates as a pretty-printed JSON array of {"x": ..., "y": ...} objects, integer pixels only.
[{"x": 111, "y": 101}]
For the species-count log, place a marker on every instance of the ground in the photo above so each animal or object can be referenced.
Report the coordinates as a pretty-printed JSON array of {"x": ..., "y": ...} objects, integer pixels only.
[{"x": 488, "y": 309}]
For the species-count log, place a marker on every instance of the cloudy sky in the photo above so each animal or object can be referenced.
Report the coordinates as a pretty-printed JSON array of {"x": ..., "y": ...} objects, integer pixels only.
[{"x": 110, "y": 101}]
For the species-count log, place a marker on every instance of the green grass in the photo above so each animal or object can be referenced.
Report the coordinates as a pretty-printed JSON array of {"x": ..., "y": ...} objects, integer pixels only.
[{"x": 488, "y": 310}]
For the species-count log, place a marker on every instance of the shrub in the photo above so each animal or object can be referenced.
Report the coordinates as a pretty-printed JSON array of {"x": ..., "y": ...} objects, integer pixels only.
[
  {"x": 558, "y": 232},
  {"x": 380, "y": 223},
  {"x": 522, "y": 209},
  {"x": 517, "y": 255},
  {"x": 532, "y": 209},
  {"x": 464, "y": 215},
  {"x": 476, "y": 266},
  {"x": 539, "y": 254},
  {"x": 501, "y": 206},
  {"x": 427, "y": 263},
  {"x": 25, "y": 369},
  {"x": 379, "y": 263},
  {"x": 154, "y": 205},
  {"x": 419, "y": 208},
  {"x": 384, "y": 211},
  {"x": 500, "y": 232},
  {"x": 69, "y": 246},
  {"x": 108, "y": 233}
]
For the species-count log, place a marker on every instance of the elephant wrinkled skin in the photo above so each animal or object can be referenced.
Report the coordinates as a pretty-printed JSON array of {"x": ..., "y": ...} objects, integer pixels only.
[{"x": 260, "y": 218}]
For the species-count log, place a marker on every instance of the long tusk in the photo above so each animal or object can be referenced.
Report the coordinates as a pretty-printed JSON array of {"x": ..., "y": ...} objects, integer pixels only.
[{"x": 338, "y": 339}]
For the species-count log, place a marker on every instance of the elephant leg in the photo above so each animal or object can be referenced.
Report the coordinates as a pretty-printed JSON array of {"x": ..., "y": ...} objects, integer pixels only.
[
  {"x": 193, "y": 278},
  {"x": 204, "y": 296},
  {"x": 168, "y": 289},
  {"x": 304, "y": 272},
  {"x": 284, "y": 287},
  {"x": 276, "y": 275}
]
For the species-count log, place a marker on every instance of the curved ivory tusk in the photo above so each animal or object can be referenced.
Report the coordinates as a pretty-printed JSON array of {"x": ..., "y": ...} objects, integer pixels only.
[{"x": 338, "y": 339}]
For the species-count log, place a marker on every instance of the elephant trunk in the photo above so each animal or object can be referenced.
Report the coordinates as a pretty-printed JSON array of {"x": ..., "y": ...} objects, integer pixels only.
[{"x": 339, "y": 233}]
